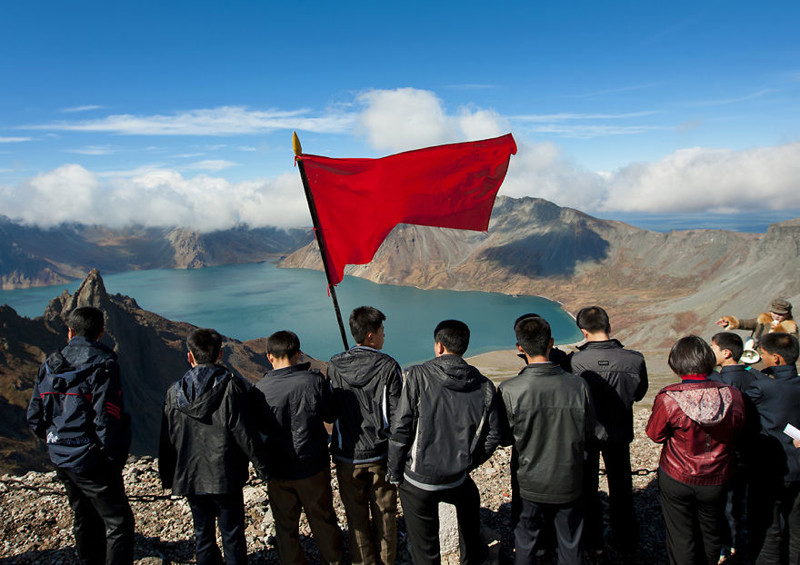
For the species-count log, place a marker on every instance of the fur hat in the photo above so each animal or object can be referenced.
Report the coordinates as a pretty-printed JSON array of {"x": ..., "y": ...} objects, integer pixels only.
[{"x": 781, "y": 306}]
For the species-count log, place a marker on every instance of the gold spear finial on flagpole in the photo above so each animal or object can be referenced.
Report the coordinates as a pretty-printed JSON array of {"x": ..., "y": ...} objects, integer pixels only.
[{"x": 298, "y": 149}]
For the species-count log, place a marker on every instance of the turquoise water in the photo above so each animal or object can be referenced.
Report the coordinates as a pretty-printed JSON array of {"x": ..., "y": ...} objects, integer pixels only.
[{"x": 250, "y": 301}]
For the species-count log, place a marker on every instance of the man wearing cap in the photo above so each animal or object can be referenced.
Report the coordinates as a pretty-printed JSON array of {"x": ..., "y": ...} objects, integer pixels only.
[{"x": 777, "y": 320}]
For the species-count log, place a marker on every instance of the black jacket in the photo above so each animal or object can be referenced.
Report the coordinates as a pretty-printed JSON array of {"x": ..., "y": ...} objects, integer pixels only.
[
  {"x": 548, "y": 419},
  {"x": 77, "y": 408},
  {"x": 739, "y": 376},
  {"x": 777, "y": 400},
  {"x": 447, "y": 422},
  {"x": 366, "y": 387},
  {"x": 207, "y": 434},
  {"x": 295, "y": 402},
  {"x": 617, "y": 378}
]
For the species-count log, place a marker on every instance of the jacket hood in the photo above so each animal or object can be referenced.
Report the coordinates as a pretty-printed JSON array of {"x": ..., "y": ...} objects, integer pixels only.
[
  {"x": 66, "y": 367},
  {"x": 706, "y": 406},
  {"x": 359, "y": 365},
  {"x": 455, "y": 373},
  {"x": 200, "y": 390},
  {"x": 79, "y": 351}
]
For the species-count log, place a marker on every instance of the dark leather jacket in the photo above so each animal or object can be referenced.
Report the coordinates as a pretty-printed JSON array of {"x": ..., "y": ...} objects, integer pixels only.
[
  {"x": 366, "y": 388},
  {"x": 697, "y": 421},
  {"x": 208, "y": 434},
  {"x": 617, "y": 378},
  {"x": 549, "y": 417},
  {"x": 77, "y": 408},
  {"x": 295, "y": 402}
]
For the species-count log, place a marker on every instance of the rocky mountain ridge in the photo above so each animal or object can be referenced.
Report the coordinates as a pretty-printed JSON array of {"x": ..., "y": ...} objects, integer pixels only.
[{"x": 31, "y": 256}]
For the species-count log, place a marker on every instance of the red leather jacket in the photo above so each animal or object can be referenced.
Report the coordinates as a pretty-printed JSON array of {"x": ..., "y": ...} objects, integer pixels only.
[{"x": 697, "y": 420}]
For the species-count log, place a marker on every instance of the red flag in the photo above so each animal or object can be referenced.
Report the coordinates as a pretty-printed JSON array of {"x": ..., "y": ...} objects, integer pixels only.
[{"x": 359, "y": 201}]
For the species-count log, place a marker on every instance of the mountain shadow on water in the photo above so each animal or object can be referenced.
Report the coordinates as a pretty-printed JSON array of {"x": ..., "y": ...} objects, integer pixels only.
[{"x": 556, "y": 252}]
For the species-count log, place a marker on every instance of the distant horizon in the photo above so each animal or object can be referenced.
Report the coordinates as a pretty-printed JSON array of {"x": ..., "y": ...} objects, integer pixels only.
[{"x": 757, "y": 222}]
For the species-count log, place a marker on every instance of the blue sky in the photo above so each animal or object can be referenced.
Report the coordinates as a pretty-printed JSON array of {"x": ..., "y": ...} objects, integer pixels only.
[{"x": 680, "y": 114}]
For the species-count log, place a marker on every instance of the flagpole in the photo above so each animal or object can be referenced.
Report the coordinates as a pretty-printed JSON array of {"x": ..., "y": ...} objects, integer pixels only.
[{"x": 298, "y": 151}]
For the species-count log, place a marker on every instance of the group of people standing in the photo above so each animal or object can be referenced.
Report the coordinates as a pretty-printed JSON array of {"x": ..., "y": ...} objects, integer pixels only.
[
  {"x": 729, "y": 473},
  {"x": 415, "y": 436}
]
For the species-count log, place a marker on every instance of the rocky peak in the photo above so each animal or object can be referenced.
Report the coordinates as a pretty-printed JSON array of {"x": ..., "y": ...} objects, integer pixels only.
[{"x": 151, "y": 351}]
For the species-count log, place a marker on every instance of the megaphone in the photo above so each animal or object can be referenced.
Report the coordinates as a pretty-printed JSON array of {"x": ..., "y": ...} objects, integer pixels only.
[{"x": 750, "y": 355}]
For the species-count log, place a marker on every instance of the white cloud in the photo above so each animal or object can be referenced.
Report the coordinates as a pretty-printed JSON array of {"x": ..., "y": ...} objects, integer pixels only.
[
  {"x": 715, "y": 180},
  {"x": 409, "y": 118},
  {"x": 15, "y": 139},
  {"x": 225, "y": 120},
  {"x": 541, "y": 170},
  {"x": 211, "y": 165},
  {"x": 155, "y": 197},
  {"x": 85, "y": 108},
  {"x": 93, "y": 150},
  {"x": 572, "y": 116},
  {"x": 691, "y": 180}
]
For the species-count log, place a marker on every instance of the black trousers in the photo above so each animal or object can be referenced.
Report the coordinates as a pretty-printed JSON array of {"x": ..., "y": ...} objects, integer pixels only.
[
  {"x": 533, "y": 521},
  {"x": 778, "y": 510},
  {"x": 421, "y": 512},
  {"x": 695, "y": 520},
  {"x": 624, "y": 527},
  {"x": 229, "y": 509},
  {"x": 735, "y": 507},
  {"x": 103, "y": 523}
]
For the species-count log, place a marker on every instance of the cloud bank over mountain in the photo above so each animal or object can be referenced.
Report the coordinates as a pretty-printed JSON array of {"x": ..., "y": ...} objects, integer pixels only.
[{"x": 197, "y": 195}]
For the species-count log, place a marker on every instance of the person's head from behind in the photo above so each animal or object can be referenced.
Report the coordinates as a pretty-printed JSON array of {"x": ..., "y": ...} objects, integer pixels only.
[
  {"x": 205, "y": 347},
  {"x": 366, "y": 326},
  {"x": 691, "y": 355},
  {"x": 534, "y": 337},
  {"x": 727, "y": 348},
  {"x": 779, "y": 349},
  {"x": 283, "y": 348},
  {"x": 525, "y": 317},
  {"x": 451, "y": 336},
  {"x": 593, "y": 320},
  {"x": 87, "y": 322}
]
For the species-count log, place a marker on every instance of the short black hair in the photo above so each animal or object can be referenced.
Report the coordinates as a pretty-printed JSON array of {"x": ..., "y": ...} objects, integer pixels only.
[
  {"x": 593, "y": 319},
  {"x": 205, "y": 345},
  {"x": 525, "y": 317},
  {"x": 283, "y": 344},
  {"x": 691, "y": 355},
  {"x": 730, "y": 341},
  {"x": 365, "y": 320},
  {"x": 453, "y": 334},
  {"x": 86, "y": 321},
  {"x": 783, "y": 344},
  {"x": 533, "y": 335}
]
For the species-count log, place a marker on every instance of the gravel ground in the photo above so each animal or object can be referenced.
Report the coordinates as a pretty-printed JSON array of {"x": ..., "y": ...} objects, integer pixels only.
[{"x": 35, "y": 520}]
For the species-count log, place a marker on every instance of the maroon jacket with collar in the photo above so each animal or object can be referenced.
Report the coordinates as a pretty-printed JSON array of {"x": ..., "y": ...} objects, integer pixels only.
[{"x": 697, "y": 421}]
